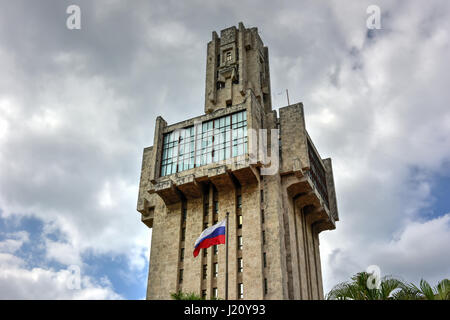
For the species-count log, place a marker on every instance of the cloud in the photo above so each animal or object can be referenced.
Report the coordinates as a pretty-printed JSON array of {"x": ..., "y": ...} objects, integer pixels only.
[
  {"x": 387, "y": 130},
  {"x": 78, "y": 107},
  {"x": 18, "y": 282},
  {"x": 414, "y": 253},
  {"x": 419, "y": 249},
  {"x": 14, "y": 241},
  {"x": 64, "y": 253}
]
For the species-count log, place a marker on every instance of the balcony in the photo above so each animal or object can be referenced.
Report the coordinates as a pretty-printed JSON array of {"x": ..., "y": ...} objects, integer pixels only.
[
  {"x": 317, "y": 173},
  {"x": 188, "y": 184},
  {"x": 309, "y": 188}
]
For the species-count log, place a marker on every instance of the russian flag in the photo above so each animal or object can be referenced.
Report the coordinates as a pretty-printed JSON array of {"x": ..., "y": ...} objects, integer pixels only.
[{"x": 210, "y": 236}]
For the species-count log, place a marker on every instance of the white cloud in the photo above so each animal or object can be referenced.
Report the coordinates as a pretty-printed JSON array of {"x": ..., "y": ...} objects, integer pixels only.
[
  {"x": 388, "y": 133},
  {"x": 64, "y": 253},
  {"x": 69, "y": 156},
  {"x": 418, "y": 251},
  {"x": 421, "y": 248},
  {"x": 14, "y": 241},
  {"x": 18, "y": 282}
]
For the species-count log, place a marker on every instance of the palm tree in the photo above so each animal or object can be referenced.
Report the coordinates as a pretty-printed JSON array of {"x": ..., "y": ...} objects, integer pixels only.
[
  {"x": 424, "y": 291},
  {"x": 357, "y": 289},
  {"x": 389, "y": 289}
]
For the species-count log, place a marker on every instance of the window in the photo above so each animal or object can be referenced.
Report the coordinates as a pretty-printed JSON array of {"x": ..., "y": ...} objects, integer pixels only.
[
  {"x": 205, "y": 225},
  {"x": 182, "y": 254},
  {"x": 240, "y": 243},
  {"x": 262, "y": 216},
  {"x": 239, "y": 221},
  {"x": 216, "y": 249},
  {"x": 184, "y": 214},
  {"x": 183, "y": 234},
  {"x": 178, "y": 151},
  {"x": 264, "y": 260},
  {"x": 264, "y": 237},
  {"x": 240, "y": 265},
  {"x": 266, "y": 289},
  {"x": 241, "y": 290},
  {"x": 239, "y": 201},
  {"x": 215, "y": 295},
  {"x": 220, "y": 85},
  {"x": 181, "y": 276},
  {"x": 228, "y": 56},
  {"x": 216, "y": 270},
  {"x": 216, "y": 206},
  {"x": 211, "y": 141},
  {"x": 205, "y": 271},
  {"x": 203, "y": 294},
  {"x": 262, "y": 196},
  {"x": 205, "y": 252}
]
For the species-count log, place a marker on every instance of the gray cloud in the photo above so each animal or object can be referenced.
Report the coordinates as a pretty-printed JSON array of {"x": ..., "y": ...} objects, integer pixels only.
[{"x": 78, "y": 107}]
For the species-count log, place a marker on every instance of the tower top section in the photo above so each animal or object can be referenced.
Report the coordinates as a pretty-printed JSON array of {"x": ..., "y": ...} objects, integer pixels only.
[{"x": 236, "y": 62}]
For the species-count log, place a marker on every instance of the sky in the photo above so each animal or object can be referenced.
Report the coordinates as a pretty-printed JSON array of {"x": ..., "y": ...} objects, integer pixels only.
[{"x": 77, "y": 107}]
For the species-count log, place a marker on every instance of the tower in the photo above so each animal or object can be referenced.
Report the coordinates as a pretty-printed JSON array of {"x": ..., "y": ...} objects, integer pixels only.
[
  {"x": 236, "y": 61},
  {"x": 239, "y": 157}
]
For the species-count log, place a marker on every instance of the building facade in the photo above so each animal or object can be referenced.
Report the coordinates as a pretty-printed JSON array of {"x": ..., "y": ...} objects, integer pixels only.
[{"x": 243, "y": 158}]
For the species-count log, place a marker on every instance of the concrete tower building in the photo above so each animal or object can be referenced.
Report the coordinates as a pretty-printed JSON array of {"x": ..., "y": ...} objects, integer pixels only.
[{"x": 239, "y": 157}]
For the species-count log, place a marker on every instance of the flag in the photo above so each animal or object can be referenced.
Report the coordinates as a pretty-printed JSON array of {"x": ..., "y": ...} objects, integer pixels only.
[{"x": 210, "y": 236}]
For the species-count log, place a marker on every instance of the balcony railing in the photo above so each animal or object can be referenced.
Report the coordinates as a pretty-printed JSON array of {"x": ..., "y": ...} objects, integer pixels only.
[{"x": 317, "y": 174}]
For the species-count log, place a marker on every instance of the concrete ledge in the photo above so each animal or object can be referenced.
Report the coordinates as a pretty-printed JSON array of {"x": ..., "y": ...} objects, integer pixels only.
[
  {"x": 220, "y": 177},
  {"x": 147, "y": 220},
  {"x": 305, "y": 195},
  {"x": 189, "y": 186},
  {"x": 168, "y": 192}
]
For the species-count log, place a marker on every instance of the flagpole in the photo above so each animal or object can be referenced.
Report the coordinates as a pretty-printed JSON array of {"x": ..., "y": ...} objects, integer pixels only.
[{"x": 226, "y": 260}]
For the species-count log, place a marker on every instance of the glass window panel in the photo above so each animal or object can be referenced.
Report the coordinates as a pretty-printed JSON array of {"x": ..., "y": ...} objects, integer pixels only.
[
  {"x": 214, "y": 140},
  {"x": 181, "y": 149},
  {"x": 240, "y": 149}
]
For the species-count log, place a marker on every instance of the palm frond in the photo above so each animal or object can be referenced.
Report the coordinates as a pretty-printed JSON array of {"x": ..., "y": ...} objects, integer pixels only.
[
  {"x": 426, "y": 290},
  {"x": 443, "y": 290}
]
